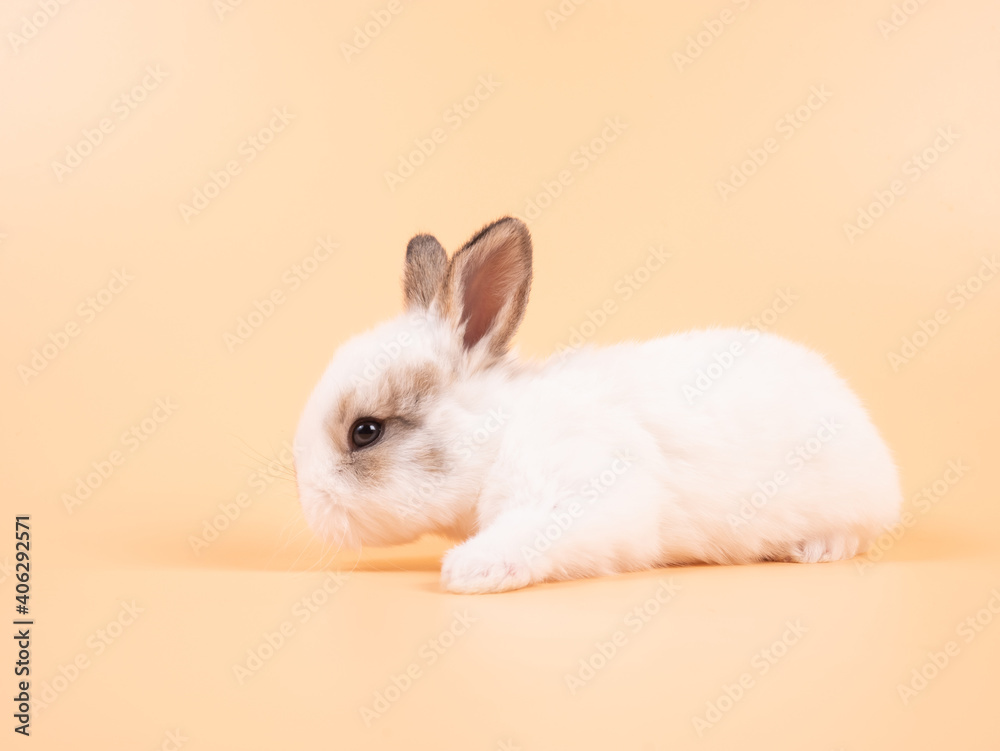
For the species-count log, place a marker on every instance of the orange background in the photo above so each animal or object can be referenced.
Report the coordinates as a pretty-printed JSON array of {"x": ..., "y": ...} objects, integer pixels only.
[{"x": 146, "y": 107}]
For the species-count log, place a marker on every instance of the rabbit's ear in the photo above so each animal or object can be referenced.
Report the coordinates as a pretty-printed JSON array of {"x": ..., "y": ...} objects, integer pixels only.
[
  {"x": 486, "y": 289},
  {"x": 423, "y": 275}
]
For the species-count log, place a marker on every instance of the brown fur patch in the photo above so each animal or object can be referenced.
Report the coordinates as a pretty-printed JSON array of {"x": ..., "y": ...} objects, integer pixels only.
[
  {"x": 432, "y": 459},
  {"x": 423, "y": 273},
  {"x": 398, "y": 394},
  {"x": 399, "y": 402}
]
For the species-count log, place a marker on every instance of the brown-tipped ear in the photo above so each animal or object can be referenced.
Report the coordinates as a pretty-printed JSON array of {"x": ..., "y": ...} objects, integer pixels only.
[
  {"x": 487, "y": 284},
  {"x": 423, "y": 275}
]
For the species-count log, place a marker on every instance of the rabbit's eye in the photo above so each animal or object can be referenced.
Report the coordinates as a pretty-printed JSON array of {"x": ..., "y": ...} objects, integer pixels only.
[{"x": 365, "y": 432}]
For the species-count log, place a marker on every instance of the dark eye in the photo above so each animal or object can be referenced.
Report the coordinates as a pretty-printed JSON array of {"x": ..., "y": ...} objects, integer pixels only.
[{"x": 365, "y": 432}]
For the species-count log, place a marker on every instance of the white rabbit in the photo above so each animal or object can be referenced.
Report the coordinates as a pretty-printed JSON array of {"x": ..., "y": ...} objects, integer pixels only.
[{"x": 718, "y": 446}]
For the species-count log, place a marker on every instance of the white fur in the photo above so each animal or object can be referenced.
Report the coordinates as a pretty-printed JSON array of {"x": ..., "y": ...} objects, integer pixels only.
[{"x": 605, "y": 460}]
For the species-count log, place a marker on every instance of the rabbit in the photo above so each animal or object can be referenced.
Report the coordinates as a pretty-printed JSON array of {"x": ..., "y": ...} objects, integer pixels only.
[{"x": 722, "y": 446}]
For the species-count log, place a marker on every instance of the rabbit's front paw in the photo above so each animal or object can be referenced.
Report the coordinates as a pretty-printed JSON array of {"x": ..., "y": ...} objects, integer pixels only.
[
  {"x": 477, "y": 568},
  {"x": 833, "y": 547}
]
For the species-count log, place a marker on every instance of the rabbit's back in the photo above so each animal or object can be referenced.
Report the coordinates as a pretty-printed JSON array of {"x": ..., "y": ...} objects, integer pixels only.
[{"x": 755, "y": 442}]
